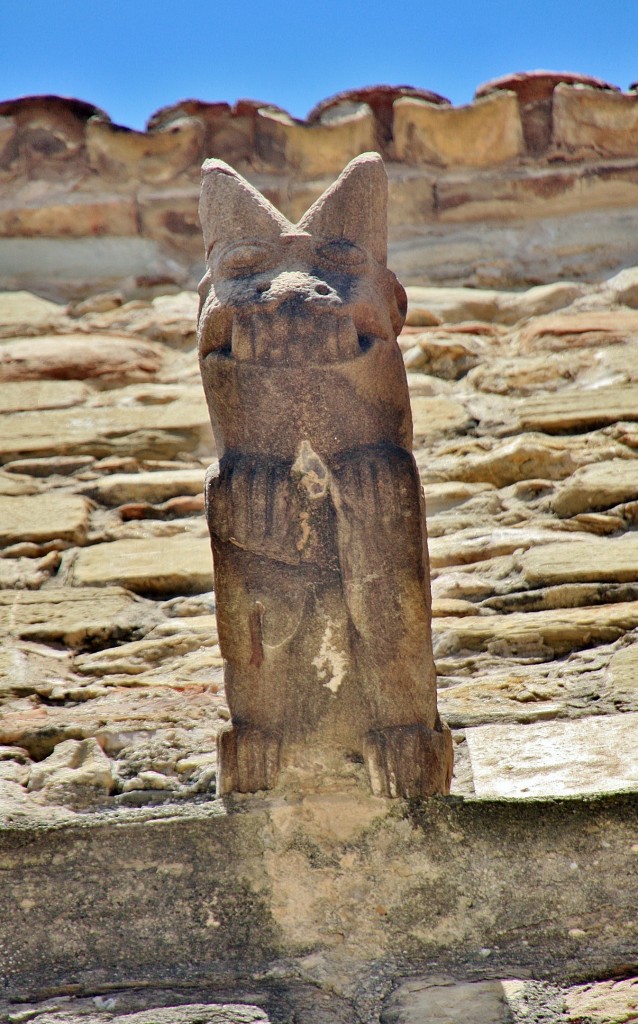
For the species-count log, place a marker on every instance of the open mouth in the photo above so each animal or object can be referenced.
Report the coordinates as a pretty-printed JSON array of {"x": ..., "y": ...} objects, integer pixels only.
[{"x": 268, "y": 341}]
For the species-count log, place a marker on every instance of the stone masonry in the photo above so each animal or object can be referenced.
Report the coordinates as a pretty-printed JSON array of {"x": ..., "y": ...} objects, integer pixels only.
[{"x": 524, "y": 405}]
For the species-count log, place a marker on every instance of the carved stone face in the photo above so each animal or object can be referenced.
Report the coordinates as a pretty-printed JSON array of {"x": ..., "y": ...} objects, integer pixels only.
[
  {"x": 308, "y": 311},
  {"x": 297, "y": 301}
]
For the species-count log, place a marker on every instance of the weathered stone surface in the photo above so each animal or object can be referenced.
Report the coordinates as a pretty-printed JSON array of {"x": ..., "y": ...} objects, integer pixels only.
[
  {"x": 536, "y": 634},
  {"x": 141, "y": 656},
  {"x": 436, "y": 416},
  {"x": 379, "y": 98},
  {"x": 483, "y": 134},
  {"x": 120, "y": 154},
  {"x": 527, "y": 375},
  {"x": 456, "y": 305},
  {"x": 580, "y": 410},
  {"x": 493, "y": 172},
  {"x": 142, "y": 428},
  {"x": 153, "y": 487},
  {"x": 595, "y": 561},
  {"x": 165, "y": 725},
  {"x": 64, "y": 517},
  {"x": 555, "y": 758},
  {"x": 465, "y": 245},
  {"x": 534, "y": 613},
  {"x": 623, "y": 287},
  {"x": 331, "y": 884},
  {"x": 475, "y": 544},
  {"x": 603, "y": 1002},
  {"x": 313, "y": 150},
  {"x": 445, "y": 496},
  {"x": 24, "y": 313},
  {"x": 63, "y": 215},
  {"x": 28, "y": 668},
  {"x": 74, "y": 767},
  {"x": 309, "y": 400},
  {"x": 601, "y": 121},
  {"x": 623, "y": 669},
  {"x": 167, "y": 318},
  {"x": 535, "y": 91},
  {"x": 598, "y": 487},
  {"x": 102, "y": 357},
  {"x": 20, "y": 396},
  {"x": 443, "y": 354},
  {"x": 27, "y": 573},
  {"x": 68, "y": 268},
  {"x": 76, "y": 617},
  {"x": 540, "y": 85},
  {"x": 442, "y": 1001},
  {"x": 523, "y": 457},
  {"x": 159, "y": 566},
  {"x": 579, "y": 330}
]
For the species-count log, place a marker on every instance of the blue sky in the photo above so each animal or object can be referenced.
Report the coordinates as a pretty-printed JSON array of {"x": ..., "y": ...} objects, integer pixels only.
[{"x": 133, "y": 56}]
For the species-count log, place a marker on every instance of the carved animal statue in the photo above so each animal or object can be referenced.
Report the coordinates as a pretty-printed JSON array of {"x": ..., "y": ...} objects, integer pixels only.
[{"x": 316, "y": 514}]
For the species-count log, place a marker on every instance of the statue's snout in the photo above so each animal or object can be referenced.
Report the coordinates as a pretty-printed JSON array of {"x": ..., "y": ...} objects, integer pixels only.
[{"x": 290, "y": 289}]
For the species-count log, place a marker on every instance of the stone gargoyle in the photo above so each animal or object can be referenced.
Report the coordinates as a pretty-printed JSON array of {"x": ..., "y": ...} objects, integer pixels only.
[{"x": 316, "y": 513}]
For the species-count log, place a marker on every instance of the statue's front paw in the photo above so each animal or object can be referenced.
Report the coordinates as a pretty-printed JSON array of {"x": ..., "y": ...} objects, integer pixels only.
[
  {"x": 248, "y": 760},
  {"x": 409, "y": 760}
]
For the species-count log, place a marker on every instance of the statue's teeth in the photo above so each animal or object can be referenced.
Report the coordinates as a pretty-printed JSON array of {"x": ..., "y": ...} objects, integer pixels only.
[{"x": 347, "y": 340}]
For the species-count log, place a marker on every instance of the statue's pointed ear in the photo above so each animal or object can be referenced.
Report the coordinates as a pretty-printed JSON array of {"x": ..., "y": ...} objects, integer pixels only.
[
  {"x": 355, "y": 207},
  {"x": 230, "y": 209}
]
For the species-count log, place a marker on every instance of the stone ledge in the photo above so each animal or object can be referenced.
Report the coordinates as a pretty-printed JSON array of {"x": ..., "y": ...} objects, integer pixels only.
[{"x": 332, "y": 886}]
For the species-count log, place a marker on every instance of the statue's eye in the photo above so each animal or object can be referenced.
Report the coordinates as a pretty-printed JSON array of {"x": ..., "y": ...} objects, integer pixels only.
[
  {"x": 244, "y": 259},
  {"x": 342, "y": 253}
]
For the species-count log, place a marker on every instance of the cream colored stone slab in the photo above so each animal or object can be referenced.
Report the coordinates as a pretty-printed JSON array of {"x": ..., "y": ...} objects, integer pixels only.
[
  {"x": 75, "y": 215},
  {"x": 477, "y": 544},
  {"x": 446, "y": 496},
  {"x": 602, "y": 121},
  {"x": 76, "y": 771},
  {"x": 27, "y": 573},
  {"x": 41, "y": 518},
  {"x": 456, "y": 305},
  {"x": 483, "y": 134},
  {"x": 580, "y": 329},
  {"x": 169, "y": 319},
  {"x": 22, "y": 309},
  {"x": 524, "y": 375},
  {"x": 590, "y": 755},
  {"x": 78, "y": 265},
  {"x": 152, "y": 487},
  {"x": 314, "y": 150},
  {"x": 181, "y": 564},
  {"x": 139, "y": 656},
  {"x": 21, "y": 396},
  {"x": 527, "y": 456},
  {"x": 154, "y": 157},
  {"x": 580, "y": 410},
  {"x": 623, "y": 287},
  {"x": 623, "y": 669},
  {"x": 535, "y": 634},
  {"x": 27, "y": 668},
  {"x": 597, "y": 487},
  {"x": 17, "y": 484},
  {"x": 484, "y": 248},
  {"x": 517, "y": 696},
  {"x": 74, "y": 615},
  {"x": 447, "y": 1001},
  {"x": 436, "y": 415},
  {"x": 104, "y": 357},
  {"x": 153, "y": 430},
  {"x": 603, "y": 1002},
  {"x": 598, "y": 560}
]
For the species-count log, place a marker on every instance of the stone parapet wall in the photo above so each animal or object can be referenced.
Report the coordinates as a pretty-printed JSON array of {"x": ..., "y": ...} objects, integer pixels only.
[{"x": 531, "y": 150}]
